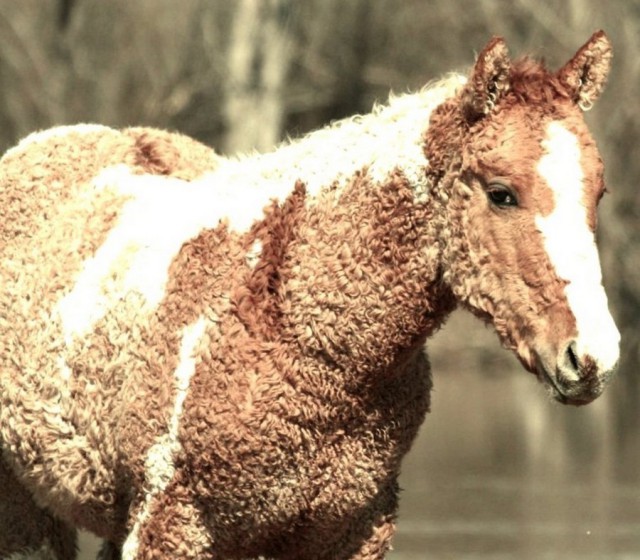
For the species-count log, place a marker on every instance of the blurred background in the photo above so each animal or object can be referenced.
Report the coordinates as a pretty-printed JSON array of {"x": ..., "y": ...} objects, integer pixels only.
[{"x": 499, "y": 471}]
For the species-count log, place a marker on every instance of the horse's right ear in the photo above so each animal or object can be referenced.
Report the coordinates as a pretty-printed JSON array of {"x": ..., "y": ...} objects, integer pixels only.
[{"x": 488, "y": 80}]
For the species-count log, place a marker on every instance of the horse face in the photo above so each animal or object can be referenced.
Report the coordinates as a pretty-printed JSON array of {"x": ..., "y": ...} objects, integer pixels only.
[{"x": 523, "y": 197}]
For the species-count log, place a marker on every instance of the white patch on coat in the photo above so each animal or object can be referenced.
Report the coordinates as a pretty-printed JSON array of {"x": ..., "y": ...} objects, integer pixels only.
[
  {"x": 162, "y": 213},
  {"x": 253, "y": 255},
  {"x": 158, "y": 217},
  {"x": 66, "y": 373},
  {"x": 572, "y": 249},
  {"x": 160, "y": 460},
  {"x": 390, "y": 137},
  {"x": 47, "y": 135}
]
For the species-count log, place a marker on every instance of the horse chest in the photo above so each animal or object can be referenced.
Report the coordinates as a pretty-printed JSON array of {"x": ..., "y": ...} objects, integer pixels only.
[{"x": 292, "y": 457}]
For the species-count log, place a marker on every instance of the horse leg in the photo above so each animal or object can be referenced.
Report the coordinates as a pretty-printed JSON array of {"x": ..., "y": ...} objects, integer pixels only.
[
  {"x": 371, "y": 532},
  {"x": 109, "y": 551},
  {"x": 28, "y": 531},
  {"x": 379, "y": 542}
]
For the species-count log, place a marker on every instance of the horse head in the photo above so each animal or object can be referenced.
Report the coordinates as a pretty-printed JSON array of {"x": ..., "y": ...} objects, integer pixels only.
[{"x": 512, "y": 160}]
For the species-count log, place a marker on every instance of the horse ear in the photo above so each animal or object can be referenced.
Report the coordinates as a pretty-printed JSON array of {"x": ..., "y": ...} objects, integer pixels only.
[
  {"x": 585, "y": 75},
  {"x": 488, "y": 81}
]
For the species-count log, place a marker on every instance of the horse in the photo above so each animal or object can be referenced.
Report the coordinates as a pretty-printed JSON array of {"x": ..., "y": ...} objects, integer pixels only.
[{"x": 224, "y": 358}]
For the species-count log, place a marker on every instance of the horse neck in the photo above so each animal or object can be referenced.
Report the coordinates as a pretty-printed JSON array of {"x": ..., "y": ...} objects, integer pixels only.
[
  {"x": 359, "y": 272},
  {"x": 362, "y": 277},
  {"x": 390, "y": 137}
]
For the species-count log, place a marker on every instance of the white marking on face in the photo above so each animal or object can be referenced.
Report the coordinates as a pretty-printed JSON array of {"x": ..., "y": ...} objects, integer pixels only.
[
  {"x": 571, "y": 247},
  {"x": 160, "y": 460}
]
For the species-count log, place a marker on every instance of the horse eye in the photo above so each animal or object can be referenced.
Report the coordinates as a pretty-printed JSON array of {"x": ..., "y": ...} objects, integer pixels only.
[{"x": 501, "y": 196}]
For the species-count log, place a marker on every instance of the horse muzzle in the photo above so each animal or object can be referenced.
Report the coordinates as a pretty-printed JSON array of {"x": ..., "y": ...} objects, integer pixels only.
[{"x": 573, "y": 377}]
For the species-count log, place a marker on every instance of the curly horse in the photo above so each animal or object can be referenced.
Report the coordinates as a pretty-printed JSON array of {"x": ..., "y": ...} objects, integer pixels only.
[{"x": 219, "y": 358}]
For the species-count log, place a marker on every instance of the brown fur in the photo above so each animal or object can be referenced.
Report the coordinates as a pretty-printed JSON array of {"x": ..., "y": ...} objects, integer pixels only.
[
  {"x": 289, "y": 392},
  {"x": 38, "y": 222},
  {"x": 282, "y": 431},
  {"x": 467, "y": 153}
]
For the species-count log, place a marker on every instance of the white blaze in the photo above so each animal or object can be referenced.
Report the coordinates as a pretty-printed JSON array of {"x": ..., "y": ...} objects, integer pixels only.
[{"x": 571, "y": 247}]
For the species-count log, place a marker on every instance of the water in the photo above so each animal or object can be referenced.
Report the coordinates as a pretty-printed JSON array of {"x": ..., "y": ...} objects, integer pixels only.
[{"x": 500, "y": 472}]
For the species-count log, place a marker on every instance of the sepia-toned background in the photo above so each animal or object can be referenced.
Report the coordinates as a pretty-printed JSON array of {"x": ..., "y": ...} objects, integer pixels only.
[{"x": 499, "y": 471}]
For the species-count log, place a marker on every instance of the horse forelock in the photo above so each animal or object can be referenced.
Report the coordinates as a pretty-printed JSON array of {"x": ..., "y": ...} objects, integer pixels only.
[
  {"x": 532, "y": 83},
  {"x": 533, "y": 91}
]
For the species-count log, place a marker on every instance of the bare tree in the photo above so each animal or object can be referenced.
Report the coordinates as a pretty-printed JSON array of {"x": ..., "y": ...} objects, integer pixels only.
[{"x": 258, "y": 62}]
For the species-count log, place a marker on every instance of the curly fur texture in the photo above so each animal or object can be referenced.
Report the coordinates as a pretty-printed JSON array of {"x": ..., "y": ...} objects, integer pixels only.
[{"x": 224, "y": 358}]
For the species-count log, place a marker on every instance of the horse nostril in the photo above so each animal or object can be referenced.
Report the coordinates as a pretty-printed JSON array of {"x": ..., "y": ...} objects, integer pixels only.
[{"x": 572, "y": 357}]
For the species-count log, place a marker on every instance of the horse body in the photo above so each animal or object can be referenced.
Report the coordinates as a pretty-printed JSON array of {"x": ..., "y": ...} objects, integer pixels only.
[{"x": 207, "y": 358}]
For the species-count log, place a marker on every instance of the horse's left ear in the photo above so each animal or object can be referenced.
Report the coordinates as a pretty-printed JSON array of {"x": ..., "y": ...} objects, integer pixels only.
[
  {"x": 488, "y": 81},
  {"x": 585, "y": 75}
]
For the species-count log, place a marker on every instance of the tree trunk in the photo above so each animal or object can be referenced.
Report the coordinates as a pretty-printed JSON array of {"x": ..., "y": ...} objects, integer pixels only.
[{"x": 257, "y": 69}]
